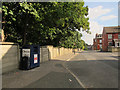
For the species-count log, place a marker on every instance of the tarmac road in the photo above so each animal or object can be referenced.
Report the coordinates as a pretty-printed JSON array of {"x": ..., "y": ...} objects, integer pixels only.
[
  {"x": 95, "y": 69},
  {"x": 88, "y": 69}
]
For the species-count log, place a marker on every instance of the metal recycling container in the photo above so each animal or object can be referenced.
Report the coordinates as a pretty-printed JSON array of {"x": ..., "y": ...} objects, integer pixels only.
[{"x": 30, "y": 57}]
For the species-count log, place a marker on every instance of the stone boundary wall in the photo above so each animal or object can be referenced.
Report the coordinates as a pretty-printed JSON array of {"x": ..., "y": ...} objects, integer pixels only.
[
  {"x": 49, "y": 52},
  {"x": 2, "y": 35},
  {"x": 56, "y": 51},
  {"x": 9, "y": 56},
  {"x": 44, "y": 54},
  {"x": 114, "y": 49}
]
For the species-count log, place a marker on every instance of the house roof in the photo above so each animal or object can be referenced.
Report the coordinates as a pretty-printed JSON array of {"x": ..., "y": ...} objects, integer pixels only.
[
  {"x": 115, "y": 29},
  {"x": 98, "y": 35}
]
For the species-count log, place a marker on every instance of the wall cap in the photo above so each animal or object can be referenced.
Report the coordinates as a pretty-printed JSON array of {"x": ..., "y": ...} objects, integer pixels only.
[{"x": 8, "y": 43}]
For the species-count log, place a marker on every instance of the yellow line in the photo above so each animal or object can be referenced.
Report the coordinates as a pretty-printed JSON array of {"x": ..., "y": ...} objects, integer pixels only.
[
  {"x": 71, "y": 57},
  {"x": 80, "y": 83},
  {"x": 75, "y": 77}
]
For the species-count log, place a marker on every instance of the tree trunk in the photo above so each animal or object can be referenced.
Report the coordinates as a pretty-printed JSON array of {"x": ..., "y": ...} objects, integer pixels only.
[
  {"x": 25, "y": 30},
  {"x": 24, "y": 37}
]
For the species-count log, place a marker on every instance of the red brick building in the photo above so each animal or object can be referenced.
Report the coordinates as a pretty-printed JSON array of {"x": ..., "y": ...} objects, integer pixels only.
[
  {"x": 111, "y": 37},
  {"x": 97, "y": 42}
]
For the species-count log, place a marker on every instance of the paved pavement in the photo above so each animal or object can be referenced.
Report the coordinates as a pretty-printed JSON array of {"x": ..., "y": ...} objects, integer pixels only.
[
  {"x": 50, "y": 74},
  {"x": 88, "y": 69}
]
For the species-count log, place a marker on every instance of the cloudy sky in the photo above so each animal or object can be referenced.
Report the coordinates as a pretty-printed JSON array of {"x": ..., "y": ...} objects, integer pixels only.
[{"x": 101, "y": 14}]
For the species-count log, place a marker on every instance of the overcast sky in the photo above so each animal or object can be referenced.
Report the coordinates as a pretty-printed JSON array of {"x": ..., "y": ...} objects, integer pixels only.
[{"x": 101, "y": 14}]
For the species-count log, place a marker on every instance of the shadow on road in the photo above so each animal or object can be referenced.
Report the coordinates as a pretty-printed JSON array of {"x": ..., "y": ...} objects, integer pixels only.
[{"x": 52, "y": 74}]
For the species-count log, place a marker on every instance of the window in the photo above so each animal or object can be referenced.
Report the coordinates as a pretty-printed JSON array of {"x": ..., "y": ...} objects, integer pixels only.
[
  {"x": 100, "y": 35},
  {"x": 95, "y": 40},
  {"x": 100, "y": 41},
  {"x": 100, "y": 46},
  {"x": 109, "y": 36},
  {"x": 117, "y": 44},
  {"x": 118, "y": 36},
  {"x": 109, "y": 43}
]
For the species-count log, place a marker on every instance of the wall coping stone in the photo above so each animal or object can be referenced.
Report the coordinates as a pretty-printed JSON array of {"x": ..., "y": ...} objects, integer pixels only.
[{"x": 8, "y": 43}]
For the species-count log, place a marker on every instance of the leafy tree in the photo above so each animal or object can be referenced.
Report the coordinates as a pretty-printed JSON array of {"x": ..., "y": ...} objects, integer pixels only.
[
  {"x": 45, "y": 23},
  {"x": 19, "y": 19}
]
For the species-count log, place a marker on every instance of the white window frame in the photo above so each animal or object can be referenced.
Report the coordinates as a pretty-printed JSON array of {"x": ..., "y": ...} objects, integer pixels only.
[
  {"x": 116, "y": 44},
  {"x": 101, "y": 46},
  {"x": 109, "y": 35},
  {"x": 109, "y": 43},
  {"x": 118, "y": 36},
  {"x": 100, "y": 41},
  {"x": 95, "y": 40}
]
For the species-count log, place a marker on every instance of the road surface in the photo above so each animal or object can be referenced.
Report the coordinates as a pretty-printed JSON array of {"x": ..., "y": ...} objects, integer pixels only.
[
  {"x": 88, "y": 69},
  {"x": 95, "y": 69}
]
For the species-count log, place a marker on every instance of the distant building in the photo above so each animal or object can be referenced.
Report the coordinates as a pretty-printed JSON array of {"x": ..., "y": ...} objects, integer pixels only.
[
  {"x": 89, "y": 47},
  {"x": 111, "y": 38},
  {"x": 94, "y": 44},
  {"x": 97, "y": 42}
]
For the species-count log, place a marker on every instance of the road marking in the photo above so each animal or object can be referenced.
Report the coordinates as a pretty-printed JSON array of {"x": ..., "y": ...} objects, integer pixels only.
[
  {"x": 71, "y": 57},
  {"x": 80, "y": 83}
]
